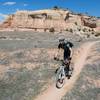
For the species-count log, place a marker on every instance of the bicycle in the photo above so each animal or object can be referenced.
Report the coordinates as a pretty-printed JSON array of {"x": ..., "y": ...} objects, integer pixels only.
[{"x": 62, "y": 72}]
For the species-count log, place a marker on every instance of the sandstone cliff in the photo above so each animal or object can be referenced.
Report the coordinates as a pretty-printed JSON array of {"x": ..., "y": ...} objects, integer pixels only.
[{"x": 44, "y": 20}]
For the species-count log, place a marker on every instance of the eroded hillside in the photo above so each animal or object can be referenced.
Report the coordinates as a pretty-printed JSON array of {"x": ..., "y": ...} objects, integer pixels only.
[{"x": 51, "y": 20}]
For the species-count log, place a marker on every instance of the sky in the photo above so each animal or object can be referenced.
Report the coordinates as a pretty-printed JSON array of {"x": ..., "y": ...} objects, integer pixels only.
[{"x": 92, "y": 7}]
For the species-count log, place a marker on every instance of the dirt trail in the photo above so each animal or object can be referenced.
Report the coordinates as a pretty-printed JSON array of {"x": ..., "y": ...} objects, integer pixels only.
[{"x": 52, "y": 93}]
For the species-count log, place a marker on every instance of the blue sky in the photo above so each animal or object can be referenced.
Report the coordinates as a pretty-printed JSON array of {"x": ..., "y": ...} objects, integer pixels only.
[{"x": 92, "y": 7}]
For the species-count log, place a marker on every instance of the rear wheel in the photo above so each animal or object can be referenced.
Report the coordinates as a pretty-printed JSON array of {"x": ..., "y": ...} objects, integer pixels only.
[{"x": 69, "y": 76}]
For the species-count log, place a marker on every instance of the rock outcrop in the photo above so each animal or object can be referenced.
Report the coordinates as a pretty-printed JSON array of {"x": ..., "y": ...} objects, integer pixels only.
[
  {"x": 44, "y": 20},
  {"x": 8, "y": 22},
  {"x": 40, "y": 19},
  {"x": 89, "y": 22}
]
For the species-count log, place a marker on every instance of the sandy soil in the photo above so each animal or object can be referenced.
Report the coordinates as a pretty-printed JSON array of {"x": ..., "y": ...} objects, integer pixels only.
[{"x": 79, "y": 58}]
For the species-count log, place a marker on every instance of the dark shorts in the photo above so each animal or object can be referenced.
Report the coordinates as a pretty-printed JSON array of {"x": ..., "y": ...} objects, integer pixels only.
[{"x": 66, "y": 56}]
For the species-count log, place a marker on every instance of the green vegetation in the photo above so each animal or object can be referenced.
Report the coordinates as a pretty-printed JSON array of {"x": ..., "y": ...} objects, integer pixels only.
[
  {"x": 71, "y": 30},
  {"x": 56, "y": 8},
  {"x": 97, "y": 34},
  {"x": 52, "y": 29},
  {"x": 76, "y": 23},
  {"x": 84, "y": 29}
]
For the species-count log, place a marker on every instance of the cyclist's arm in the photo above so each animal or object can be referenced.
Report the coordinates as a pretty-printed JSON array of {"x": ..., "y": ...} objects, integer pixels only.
[
  {"x": 58, "y": 51},
  {"x": 71, "y": 53}
]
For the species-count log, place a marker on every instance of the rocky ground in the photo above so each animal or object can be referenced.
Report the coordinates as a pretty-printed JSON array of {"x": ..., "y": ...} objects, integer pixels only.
[
  {"x": 27, "y": 66},
  {"x": 87, "y": 86},
  {"x": 23, "y": 40}
]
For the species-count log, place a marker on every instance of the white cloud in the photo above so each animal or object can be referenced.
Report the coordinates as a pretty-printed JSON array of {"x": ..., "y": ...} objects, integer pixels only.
[
  {"x": 9, "y": 3},
  {"x": 17, "y": 9},
  {"x": 25, "y": 4},
  {"x": 3, "y": 15}
]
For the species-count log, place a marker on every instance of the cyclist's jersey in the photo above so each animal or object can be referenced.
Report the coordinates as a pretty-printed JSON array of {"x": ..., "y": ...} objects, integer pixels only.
[{"x": 67, "y": 51}]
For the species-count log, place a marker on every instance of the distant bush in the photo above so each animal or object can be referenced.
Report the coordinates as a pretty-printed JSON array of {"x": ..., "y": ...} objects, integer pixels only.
[
  {"x": 92, "y": 29},
  {"x": 79, "y": 29},
  {"x": 52, "y": 29},
  {"x": 71, "y": 30},
  {"x": 79, "y": 14},
  {"x": 49, "y": 17},
  {"x": 45, "y": 30},
  {"x": 98, "y": 17},
  {"x": 92, "y": 33},
  {"x": 56, "y": 8},
  {"x": 84, "y": 30},
  {"x": 88, "y": 35},
  {"x": 89, "y": 30},
  {"x": 97, "y": 34},
  {"x": 66, "y": 29},
  {"x": 75, "y": 23}
]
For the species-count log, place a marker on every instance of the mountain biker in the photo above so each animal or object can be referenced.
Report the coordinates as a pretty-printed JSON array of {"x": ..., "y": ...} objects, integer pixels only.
[{"x": 67, "y": 55}]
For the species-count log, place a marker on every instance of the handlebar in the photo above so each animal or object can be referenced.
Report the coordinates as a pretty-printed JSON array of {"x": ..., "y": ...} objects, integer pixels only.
[
  {"x": 62, "y": 61},
  {"x": 57, "y": 59}
]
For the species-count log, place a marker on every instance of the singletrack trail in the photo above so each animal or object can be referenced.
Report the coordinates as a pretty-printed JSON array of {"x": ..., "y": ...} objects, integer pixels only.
[{"x": 79, "y": 59}]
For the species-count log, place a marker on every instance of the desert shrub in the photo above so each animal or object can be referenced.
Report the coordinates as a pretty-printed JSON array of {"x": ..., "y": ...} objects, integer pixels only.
[
  {"x": 97, "y": 34},
  {"x": 92, "y": 29},
  {"x": 79, "y": 29},
  {"x": 71, "y": 30},
  {"x": 52, "y": 29},
  {"x": 88, "y": 35},
  {"x": 98, "y": 17},
  {"x": 56, "y": 8},
  {"x": 66, "y": 29},
  {"x": 80, "y": 14},
  {"x": 84, "y": 29},
  {"x": 49, "y": 17},
  {"x": 35, "y": 29},
  {"x": 89, "y": 30},
  {"x": 75, "y": 23},
  {"x": 92, "y": 33},
  {"x": 45, "y": 30}
]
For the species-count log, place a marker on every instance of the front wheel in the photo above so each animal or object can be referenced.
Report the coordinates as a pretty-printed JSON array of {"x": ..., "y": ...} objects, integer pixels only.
[{"x": 60, "y": 83}]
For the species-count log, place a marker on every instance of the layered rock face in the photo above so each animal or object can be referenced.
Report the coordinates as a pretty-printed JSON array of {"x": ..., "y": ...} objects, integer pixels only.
[
  {"x": 8, "y": 22},
  {"x": 89, "y": 22},
  {"x": 40, "y": 20},
  {"x": 46, "y": 19}
]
